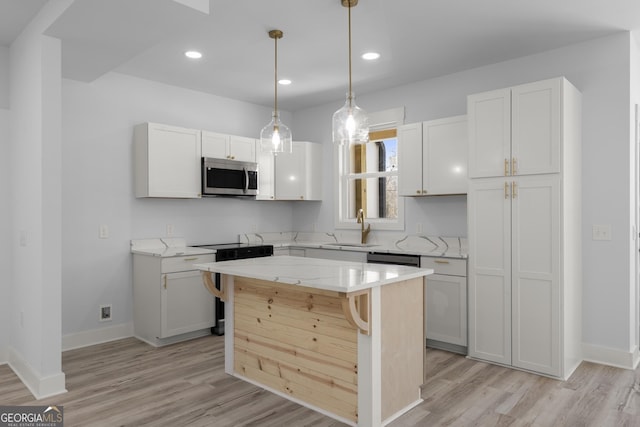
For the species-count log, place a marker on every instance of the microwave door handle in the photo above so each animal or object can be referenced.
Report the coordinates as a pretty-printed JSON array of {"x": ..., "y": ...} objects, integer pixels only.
[{"x": 246, "y": 180}]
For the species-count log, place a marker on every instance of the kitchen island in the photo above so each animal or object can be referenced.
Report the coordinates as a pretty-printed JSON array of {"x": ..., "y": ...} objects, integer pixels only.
[{"x": 343, "y": 338}]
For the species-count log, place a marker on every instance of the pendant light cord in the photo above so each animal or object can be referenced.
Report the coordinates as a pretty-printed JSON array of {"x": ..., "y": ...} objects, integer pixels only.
[
  {"x": 275, "y": 79},
  {"x": 350, "y": 92}
]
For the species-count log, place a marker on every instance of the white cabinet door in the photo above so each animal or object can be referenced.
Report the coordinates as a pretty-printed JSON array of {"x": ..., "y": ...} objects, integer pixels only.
[
  {"x": 186, "y": 305},
  {"x": 298, "y": 175},
  {"x": 489, "y": 116},
  {"x": 536, "y": 273},
  {"x": 215, "y": 145},
  {"x": 410, "y": 160},
  {"x": 446, "y": 309},
  {"x": 242, "y": 148},
  {"x": 536, "y": 116},
  {"x": 167, "y": 161},
  {"x": 266, "y": 175},
  {"x": 444, "y": 156},
  {"x": 516, "y": 131},
  {"x": 232, "y": 147},
  {"x": 489, "y": 218}
]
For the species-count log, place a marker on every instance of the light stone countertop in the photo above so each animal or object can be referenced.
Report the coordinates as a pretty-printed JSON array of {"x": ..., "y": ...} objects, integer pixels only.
[
  {"x": 166, "y": 247},
  {"x": 412, "y": 244},
  {"x": 340, "y": 276}
]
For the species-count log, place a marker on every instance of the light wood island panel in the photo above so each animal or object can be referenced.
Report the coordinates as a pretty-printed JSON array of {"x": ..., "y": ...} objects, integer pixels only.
[
  {"x": 297, "y": 342},
  {"x": 301, "y": 343}
]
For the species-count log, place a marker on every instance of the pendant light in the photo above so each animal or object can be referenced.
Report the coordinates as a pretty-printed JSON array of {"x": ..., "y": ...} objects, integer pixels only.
[
  {"x": 276, "y": 136},
  {"x": 350, "y": 123}
]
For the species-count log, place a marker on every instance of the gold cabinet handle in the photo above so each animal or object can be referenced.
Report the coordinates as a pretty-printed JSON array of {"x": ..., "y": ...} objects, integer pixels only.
[
  {"x": 165, "y": 281},
  {"x": 506, "y": 190},
  {"x": 418, "y": 191},
  {"x": 514, "y": 190},
  {"x": 441, "y": 261},
  {"x": 506, "y": 167},
  {"x": 514, "y": 166},
  {"x": 190, "y": 259}
]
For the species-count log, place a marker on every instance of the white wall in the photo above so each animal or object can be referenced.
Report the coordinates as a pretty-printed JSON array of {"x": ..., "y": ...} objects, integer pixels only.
[
  {"x": 4, "y": 77},
  {"x": 97, "y": 180},
  {"x": 5, "y": 236},
  {"x": 35, "y": 313},
  {"x": 634, "y": 159},
  {"x": 600, "y": 70}
]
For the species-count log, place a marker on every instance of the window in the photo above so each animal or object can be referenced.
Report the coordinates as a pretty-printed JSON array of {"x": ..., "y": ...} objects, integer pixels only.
[{"x": 368, "y": 180}]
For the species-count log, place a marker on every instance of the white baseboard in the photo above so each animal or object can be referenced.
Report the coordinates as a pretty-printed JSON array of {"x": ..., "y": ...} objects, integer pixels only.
[
  {"x": 96, "y": 336},
  {"x": 40, "y": 386},
  {"x": 611, "y": 356}
]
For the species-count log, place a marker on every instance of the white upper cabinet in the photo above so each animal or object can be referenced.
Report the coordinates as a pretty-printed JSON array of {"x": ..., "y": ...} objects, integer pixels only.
[
  {"x": 298, "y": 175},
  {"x": 266, "y": 175},
  {"x": 410, "y": 159},
  {"x": 515, "y": 131},
  {"x": 166, "y": 161},
  {"x": 232, "y": 147},
  {"x": 433, "y": 157}
]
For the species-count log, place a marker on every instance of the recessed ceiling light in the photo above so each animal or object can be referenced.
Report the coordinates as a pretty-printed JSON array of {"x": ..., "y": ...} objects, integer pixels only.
[
  {"x": 284, "y": 82},
  {"x": 193, "y": 54},
  {"x": 370, "y": 56}
]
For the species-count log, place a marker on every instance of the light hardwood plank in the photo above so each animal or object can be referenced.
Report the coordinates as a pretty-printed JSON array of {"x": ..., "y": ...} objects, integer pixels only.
[{"x": 129, "y": 383}]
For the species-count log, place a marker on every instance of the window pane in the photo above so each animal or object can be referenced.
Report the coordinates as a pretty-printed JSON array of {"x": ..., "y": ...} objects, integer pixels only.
[
  {"x": 374, "y": 156},
  {"x": 377, "y": 197}
]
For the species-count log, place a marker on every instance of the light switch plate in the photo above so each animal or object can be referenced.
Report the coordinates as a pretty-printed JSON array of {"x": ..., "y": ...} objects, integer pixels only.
[
  {"x": 601, "y": 232},
  {"x": 103, "y": 231}
]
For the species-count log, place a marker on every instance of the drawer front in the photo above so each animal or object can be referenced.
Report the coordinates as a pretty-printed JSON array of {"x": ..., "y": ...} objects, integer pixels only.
[
  {"x": 450, "y": 266},
  {"x": 184, "y": 263}
]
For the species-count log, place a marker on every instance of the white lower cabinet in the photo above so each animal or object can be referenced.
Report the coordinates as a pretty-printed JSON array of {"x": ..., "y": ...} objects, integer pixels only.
[
  {"x": 446, "y": 304},
  {"x": 170, "y": 301},
  {"x": 523, "y": 284}
]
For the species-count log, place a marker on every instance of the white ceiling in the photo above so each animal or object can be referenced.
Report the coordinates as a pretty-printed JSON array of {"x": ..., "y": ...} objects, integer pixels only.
[{"x": 418, "y": 39}]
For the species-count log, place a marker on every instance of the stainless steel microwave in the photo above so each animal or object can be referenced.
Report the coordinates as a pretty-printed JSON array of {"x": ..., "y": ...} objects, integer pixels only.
[{"x": 223, "y": 177}]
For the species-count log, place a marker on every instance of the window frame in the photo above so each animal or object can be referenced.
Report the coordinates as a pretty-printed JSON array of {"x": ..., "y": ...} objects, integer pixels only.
[{"x": 386, "y": 130}]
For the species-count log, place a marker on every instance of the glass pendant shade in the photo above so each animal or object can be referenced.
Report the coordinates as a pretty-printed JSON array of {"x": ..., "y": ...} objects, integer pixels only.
[
  {"x": 350, "y": 123},
  {"x": 276, "y": 136}
]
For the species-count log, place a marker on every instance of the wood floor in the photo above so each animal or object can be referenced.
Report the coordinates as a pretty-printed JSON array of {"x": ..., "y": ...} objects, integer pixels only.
[{"x": 129, "y": 383}]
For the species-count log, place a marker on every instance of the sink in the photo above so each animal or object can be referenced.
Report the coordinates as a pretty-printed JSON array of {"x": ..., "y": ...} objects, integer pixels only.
[{"x": 356, "y": 245}]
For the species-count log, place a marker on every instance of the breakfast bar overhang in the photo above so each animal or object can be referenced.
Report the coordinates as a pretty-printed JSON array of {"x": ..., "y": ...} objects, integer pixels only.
[{"x": 343, "y": 338}]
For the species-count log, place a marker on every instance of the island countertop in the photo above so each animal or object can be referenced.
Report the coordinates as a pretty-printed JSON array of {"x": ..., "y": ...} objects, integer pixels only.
[{"x": 331, "y": 275}]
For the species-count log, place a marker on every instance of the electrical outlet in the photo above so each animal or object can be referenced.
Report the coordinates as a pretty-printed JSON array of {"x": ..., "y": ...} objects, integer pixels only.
[
  {"x": 601, "y": 232},
  {"x": 103, "y": 231},
  {"x": 170, "y": 230},
  {"x": 105, "y": 313}
]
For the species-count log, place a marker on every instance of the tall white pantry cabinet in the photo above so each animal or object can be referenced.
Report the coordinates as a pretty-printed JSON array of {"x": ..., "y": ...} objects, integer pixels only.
[{"x": 524, "y": 213}]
